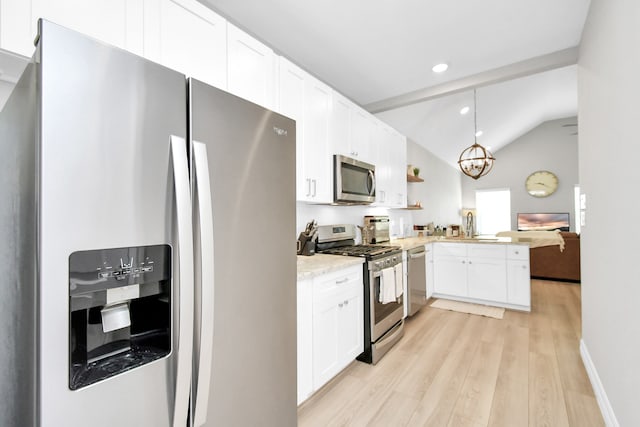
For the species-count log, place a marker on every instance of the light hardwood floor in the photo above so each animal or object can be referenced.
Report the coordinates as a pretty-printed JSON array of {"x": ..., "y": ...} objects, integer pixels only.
[{"x": 455, "y": 369}]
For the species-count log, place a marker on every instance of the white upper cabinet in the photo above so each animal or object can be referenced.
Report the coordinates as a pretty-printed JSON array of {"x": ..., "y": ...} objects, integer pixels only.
[
  {"x": 317, "y": 184},
  {"x": 291, "y": 102},
  {"x": 188, "y": 37},
  {"x": 308, "y": 101},
  {"x": 391, "y": 183},
  {"x": 362, "y": 141},
  {"x": 117, "y": 22},
  {"x": 398, "y": 170},
  {"x": 340, "y": 126},
  {"x": 251, "y": 68}
]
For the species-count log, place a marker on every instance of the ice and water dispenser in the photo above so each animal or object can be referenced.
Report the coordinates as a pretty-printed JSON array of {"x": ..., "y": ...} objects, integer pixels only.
[{"x": 119, "y": 311}]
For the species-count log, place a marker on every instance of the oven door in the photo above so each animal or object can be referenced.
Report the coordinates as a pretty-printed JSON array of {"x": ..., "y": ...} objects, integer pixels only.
[{"x": 383, "y": 316}]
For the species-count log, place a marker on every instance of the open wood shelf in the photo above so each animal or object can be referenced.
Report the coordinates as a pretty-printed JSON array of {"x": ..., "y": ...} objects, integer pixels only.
[
  {"x": 411, "y": 178},
  {"x": 413, "y": 208}
]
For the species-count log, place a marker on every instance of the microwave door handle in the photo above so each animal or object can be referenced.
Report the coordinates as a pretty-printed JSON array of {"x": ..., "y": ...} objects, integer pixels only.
[
  {"x": 205, "y": 213},
  {"x": 185, "y": 261},
  {"x": 372, "y": 182}
]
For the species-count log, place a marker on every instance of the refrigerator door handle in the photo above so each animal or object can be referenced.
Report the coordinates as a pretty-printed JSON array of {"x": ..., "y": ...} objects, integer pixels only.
[
  {"x": 185, "y": 244},
  {"x": 205, "y": 212}
]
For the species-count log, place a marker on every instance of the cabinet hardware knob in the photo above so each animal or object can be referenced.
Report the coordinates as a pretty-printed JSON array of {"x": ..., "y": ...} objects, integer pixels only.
[
  {"x": 517, "y": 252},
  {"x": 340, "y": 305},
  {"x": 346, "y": 302},
  {"x": 464, "y": 262}
]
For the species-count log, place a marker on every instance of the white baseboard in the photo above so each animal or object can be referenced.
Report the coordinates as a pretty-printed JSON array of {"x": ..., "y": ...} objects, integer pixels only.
[{"x": 601, "y": 395}]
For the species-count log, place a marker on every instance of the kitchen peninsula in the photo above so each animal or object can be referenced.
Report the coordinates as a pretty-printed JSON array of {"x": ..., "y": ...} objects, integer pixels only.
[{"x": 489, "y": 271}]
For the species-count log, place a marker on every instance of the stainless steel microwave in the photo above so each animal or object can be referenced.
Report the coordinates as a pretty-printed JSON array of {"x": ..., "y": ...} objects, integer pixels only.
[{"x": 354, "y": 181}]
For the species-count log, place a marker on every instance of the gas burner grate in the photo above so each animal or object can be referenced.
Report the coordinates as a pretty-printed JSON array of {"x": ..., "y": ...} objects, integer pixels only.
[{"x": 360, "y": 250}]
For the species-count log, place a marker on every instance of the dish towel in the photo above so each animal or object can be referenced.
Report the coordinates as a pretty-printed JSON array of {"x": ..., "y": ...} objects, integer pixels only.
[
  {"x": 387, "y": 286},
  {"x": 398, "y": 284}
]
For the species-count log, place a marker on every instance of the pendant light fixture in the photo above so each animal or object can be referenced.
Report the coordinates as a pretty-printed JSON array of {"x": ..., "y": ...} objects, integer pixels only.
[{"x": 475, "y": 161}]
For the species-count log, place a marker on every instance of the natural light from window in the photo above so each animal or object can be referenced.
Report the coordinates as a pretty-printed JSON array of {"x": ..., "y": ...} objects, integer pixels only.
[{"x": 493, "y": 209}]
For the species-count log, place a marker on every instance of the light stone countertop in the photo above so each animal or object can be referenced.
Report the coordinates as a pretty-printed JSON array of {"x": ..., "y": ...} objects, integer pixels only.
[
  {"x": 413, "y": 242},
  {"x": 318, "y": 264}
]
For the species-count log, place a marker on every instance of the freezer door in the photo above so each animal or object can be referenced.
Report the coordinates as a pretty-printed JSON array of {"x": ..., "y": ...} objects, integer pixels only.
[
  {"x": 107, "y": 181},
  {"x": 251, "y": 164}
]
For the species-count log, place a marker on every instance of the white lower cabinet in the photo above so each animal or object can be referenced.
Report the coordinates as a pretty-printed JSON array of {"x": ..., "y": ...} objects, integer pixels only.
[
  {"x": 518, "y": 276},
  {"x": 330, "y": 327},
  {"x": 494, "y": 274},
  {"x": 305, "y": 326},
  {"x": 429, "y": 266}
]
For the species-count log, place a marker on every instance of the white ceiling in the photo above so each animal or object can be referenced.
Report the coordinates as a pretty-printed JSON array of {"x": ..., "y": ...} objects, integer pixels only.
[{"x": 375, "y": 50}]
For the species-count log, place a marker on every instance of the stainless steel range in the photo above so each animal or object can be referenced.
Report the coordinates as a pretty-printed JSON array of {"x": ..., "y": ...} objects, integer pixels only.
[{"x": 383, "y": 324}]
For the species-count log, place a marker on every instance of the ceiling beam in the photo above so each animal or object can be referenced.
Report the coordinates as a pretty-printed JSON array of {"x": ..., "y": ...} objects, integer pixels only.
[{"x": 539, "y": 64}]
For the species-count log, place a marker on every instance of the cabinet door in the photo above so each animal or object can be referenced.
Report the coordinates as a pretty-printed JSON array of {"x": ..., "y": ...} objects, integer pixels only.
[
  {"x": 251, "y": 68},
  {"x": 305, "y": 344},
  {"x": 117, "y": 22},
  {"x": 518, "y": 282},
  {"x": 450, "y": 276},
  {"x": 429, "y": 267},
  {"x": 362, "y": 136},
  {"x": 317, "y": 185},
  {"x": 291, "y": 88},
  {"x": 326, "y": 353},
  {"x": 398, "y": 170},
  {"x": 340, "y": 126},
  {"x": 351, "y": 323},
  {"x": 188, "y": 37},
  {"x": 487, "y": 279},
  {"x": 382, "y": 142}
]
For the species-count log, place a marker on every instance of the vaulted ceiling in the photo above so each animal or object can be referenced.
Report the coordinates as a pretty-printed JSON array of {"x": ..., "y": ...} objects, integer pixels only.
[{"x": 519, "y": 54}]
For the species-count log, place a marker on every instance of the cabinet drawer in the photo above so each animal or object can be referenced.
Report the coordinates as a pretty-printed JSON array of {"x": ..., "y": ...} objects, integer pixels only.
[
  {"x": 450, "y": 249},
  {"x": 520, "y": 252},
  {"x": 488, "y": 251},
  {"x": 336, "y": 280}
]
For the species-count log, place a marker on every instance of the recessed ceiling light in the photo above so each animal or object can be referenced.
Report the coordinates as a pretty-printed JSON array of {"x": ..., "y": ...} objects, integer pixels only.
[
  {"x": 440, "y": 68},
  {"x": 479, "y": 133},
  {"x": 464, "y": 110}
]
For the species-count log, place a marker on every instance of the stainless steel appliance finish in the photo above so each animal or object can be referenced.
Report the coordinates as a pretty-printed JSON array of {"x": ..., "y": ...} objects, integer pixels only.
[
  {"x": 354, "y": 181},
  {"x": 95, "y": 156},
  {"x": 383, "y": 323},
  {"x": 380, "y": 226},
  {"x": 417, "y": 279},
  {"x": 251, "y": 154},
  {"x": 383, "y": 316}
]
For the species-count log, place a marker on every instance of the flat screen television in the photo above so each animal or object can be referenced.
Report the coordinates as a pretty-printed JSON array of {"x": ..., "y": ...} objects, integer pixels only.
[{"x": 543, "y": 221}]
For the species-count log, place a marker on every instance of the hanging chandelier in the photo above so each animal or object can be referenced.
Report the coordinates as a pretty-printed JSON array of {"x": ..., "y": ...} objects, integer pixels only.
[{"x": 475, "y": 161}]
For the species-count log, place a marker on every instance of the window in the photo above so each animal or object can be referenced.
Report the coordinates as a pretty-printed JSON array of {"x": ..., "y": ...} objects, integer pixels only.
[{"x": 493, "y": 209}]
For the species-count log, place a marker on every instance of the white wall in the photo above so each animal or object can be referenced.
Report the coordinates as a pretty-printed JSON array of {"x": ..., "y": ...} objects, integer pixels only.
[
  {"x": 609, "y": 148},
  {"x": 439, "y": 194},
  {"x": 549, "y": 146}
]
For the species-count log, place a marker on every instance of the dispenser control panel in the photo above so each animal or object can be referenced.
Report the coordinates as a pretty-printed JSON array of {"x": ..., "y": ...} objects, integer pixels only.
[{"x": 110, "y": 268}]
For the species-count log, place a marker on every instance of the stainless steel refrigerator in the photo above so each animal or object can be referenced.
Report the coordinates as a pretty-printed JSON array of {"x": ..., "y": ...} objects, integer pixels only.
[{"x": 147, "y": 225}]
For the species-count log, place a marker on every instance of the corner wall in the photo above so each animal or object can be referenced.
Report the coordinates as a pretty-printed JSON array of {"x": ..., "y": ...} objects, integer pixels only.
[
  {"x": 608, "y": 91},
  {"x": 549, "y": 146}
]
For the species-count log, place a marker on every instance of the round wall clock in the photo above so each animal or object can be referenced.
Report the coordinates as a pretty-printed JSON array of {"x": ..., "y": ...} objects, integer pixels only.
[{"x": 541, "y": 184}]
